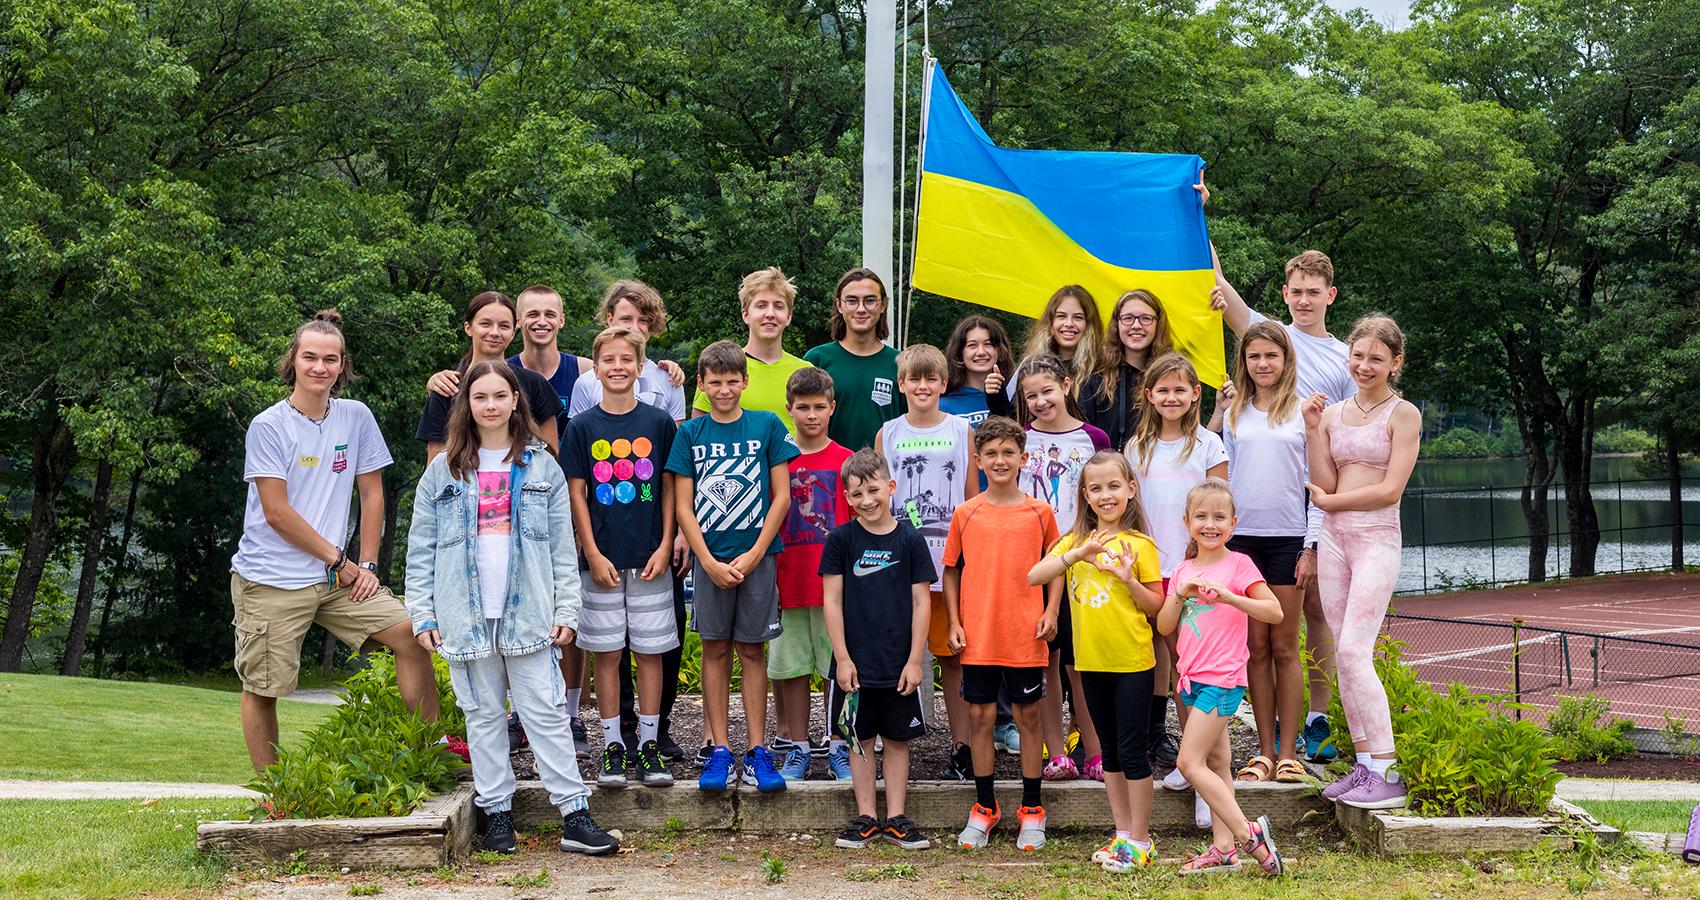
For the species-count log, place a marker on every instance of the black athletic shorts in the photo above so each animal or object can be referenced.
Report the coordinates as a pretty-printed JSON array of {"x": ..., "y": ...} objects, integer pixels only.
[
  {"x": 1063, "y": 643},
  {"x": 1275, "y": 557},
  {"x": 880, "y": 712},
  {"x": 1021, "y": 685}
]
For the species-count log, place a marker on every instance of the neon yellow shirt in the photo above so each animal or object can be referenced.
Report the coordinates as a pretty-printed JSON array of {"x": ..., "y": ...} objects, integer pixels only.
[
  {"x": 767, "y": 387},
  {"x": 1111, "y": 633}
]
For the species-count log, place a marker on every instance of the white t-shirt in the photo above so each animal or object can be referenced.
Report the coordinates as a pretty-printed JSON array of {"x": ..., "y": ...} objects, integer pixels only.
[
  {"x": 1267, "y": 469},
  {"x": 318, "y": 463},
  {"x": 653, "y": 388},
  {"x": 931, "y": 467},
  {"x": 1163, "y": 488},
  {"x": 1322, "y": 363},
  {"x": 495, "y": 529}
]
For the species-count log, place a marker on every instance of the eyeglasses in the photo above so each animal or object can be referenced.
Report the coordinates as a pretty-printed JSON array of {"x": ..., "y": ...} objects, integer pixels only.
[
  {"x": 1136, "y": 319},
  {"x": 861, "y": 302}
]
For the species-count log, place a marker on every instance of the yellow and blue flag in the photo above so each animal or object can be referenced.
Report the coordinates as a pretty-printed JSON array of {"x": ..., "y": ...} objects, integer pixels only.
[{"x": 1006, "y": 228}]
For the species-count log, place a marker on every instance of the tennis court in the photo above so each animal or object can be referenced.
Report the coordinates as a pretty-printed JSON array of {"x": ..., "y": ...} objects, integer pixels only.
[{"x": 1632, "y": 639}]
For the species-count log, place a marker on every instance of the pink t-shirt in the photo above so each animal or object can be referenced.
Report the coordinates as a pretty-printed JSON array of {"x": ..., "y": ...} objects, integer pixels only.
[{"x": 1213, "y": 635}]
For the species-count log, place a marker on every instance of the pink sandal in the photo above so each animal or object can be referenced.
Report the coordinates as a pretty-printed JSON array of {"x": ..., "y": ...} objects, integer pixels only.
[
  {"x": 1094, "y": 769},
  {"x": 1212, "y": 861}
]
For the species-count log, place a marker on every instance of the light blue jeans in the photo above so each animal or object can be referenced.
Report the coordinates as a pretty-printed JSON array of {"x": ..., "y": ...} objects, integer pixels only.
[{"x": 482, "y": 687}]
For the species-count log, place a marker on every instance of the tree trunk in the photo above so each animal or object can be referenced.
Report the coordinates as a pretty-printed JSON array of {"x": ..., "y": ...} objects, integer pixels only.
[
  {"x": 1576, "y": 459},
  {"x": 115, "y": 578},
  {"x": 54, "y": 454},
  {"x": 72, "y": 664},
  {"x": 1533, "y": 498},
  {"x": 327, "y": 653}
]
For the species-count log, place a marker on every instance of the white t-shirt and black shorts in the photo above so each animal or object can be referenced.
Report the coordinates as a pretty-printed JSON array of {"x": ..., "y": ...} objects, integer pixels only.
[
  {"x": 277, "y": 589},
  {"x": 1267, "y": 469}
]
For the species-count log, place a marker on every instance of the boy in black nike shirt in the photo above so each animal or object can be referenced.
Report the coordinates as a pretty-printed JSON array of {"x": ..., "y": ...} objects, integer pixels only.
[{"x": 876, "y": 572}]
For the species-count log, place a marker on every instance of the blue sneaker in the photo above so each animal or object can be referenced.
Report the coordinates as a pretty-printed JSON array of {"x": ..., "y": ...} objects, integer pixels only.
[
  {"x": 1316, "y": 734},
  {"x": 838, "y": 762},
  {"x": 796, "y": 766},
  {"x": 1007, "y": 737},
  {"x": 760, "y": 771},
  {"x": 717, "y": 771}
]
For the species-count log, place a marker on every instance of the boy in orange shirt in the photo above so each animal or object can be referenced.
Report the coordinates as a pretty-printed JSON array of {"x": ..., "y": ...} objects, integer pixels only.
[{"x": 999, "y": 624}]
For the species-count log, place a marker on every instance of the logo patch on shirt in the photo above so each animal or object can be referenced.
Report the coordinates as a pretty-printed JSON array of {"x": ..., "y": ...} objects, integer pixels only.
[
  {"x": 882, "y": 391},
  {"x": 873, "y": 561},
  {"x": 339, "y": 462},
  {"x": 309, "y": 462}
]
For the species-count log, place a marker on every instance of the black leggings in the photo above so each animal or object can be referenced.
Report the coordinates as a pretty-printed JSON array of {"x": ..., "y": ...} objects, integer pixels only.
[{"x": 1120, "y": 703}]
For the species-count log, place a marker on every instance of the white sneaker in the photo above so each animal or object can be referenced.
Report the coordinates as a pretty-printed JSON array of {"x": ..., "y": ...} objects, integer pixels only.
[
  {"x": 1175, "y": 781},
  {"x": 1201, "y": 813}
]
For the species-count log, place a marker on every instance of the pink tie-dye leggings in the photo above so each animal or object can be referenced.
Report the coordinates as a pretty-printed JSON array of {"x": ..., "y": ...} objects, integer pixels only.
[{"x": 1357, "y": 567}]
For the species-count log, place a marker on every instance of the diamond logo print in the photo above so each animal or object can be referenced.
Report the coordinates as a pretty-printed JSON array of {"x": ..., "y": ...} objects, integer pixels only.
[{"x": 720, "y": 491}]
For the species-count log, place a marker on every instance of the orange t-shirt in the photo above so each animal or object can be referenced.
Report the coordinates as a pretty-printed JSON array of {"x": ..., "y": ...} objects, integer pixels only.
[{"x": 996, "y": 546}]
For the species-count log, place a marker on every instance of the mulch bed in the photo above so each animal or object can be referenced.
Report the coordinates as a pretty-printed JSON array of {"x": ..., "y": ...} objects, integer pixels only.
[
  {"x": 1640, "y": 766},
  {"x": 928, "y": 755}
]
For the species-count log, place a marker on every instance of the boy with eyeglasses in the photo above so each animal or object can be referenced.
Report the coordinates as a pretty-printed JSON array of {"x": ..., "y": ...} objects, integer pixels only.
[{"x": 863, "y": 369}]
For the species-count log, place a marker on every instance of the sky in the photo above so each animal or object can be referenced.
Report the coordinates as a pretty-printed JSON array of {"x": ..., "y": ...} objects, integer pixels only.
[{"x": 1388, "y": 12}]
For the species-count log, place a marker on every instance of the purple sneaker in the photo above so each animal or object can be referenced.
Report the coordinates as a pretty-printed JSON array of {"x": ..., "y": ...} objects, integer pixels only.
[
  {"x": 1376, "y": 792},
  {"x": 1352, "y": 780}
]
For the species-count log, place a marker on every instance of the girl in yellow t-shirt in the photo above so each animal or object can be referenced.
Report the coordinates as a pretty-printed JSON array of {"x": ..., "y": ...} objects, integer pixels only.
[{"x": 1114, "y": 584}]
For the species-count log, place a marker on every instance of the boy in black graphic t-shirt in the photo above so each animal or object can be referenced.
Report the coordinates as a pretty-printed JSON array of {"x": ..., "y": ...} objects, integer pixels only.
[{"x": 876, "y": 572}]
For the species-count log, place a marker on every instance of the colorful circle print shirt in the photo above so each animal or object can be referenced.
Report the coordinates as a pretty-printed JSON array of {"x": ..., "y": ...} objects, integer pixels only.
[{"x": 621, "y": 457}]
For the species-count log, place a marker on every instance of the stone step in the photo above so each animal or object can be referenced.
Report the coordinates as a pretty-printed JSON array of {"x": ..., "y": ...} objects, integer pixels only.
[{"x": 822, "y": 807}]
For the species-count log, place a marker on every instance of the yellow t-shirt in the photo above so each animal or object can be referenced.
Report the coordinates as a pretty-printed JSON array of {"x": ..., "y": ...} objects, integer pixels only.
[
  {"x": 1111, "y": 633},
  {"x": 766, "y": 389}
]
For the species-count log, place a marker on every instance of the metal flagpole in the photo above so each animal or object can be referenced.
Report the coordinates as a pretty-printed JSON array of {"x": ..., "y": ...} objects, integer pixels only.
[{"x": 879, "y": 59}]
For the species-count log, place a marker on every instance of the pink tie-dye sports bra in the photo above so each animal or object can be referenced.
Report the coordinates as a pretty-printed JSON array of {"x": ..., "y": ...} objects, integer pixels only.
[{"x": 1369, "y": 444}]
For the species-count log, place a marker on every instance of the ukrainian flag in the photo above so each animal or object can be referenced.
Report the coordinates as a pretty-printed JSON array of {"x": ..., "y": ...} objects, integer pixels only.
[{"x": 1006, "y": 228}]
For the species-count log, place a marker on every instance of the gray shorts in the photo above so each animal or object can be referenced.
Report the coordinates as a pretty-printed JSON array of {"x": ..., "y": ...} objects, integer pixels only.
[
  {"x": 748, "y": 613},
  {"x": 633, "y": 613}
]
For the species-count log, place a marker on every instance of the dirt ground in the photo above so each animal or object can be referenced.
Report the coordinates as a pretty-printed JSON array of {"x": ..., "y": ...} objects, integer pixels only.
[
  {"x": 928, "y": 754},
  {"x": 1641, "y": 767},
  {"x": 806, "y": 866}
]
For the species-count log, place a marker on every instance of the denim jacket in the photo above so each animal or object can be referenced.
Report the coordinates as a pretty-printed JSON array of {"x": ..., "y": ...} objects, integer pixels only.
[{"x": 442, "y": 566}]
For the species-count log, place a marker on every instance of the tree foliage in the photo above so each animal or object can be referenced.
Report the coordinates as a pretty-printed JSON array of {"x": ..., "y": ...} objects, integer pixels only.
[{"x": 183, "y": 181}]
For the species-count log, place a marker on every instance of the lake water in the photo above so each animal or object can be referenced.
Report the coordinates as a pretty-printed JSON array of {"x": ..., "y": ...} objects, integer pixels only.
[{"x": 1462, "y": 521}]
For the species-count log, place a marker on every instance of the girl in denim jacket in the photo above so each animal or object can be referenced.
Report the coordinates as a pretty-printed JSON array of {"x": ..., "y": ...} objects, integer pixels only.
[{"x": 493, "y": 585}]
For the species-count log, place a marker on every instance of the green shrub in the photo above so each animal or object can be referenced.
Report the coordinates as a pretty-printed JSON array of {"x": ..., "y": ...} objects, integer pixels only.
[
  {"x": 1623, "y": 439},
  {"x": 1460, "y": 754},
  {"x": 371, "y": 757},
  {"x": 1460, "y": 442},
  {"x": 1577, "y": 733}
]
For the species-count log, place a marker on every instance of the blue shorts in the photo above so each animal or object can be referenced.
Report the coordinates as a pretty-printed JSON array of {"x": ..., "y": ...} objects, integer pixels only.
[{"x": 1212, "y": 699}]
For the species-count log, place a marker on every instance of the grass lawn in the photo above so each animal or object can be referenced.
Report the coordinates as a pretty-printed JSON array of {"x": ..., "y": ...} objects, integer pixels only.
[
  {"x": 1642, "y": 815},
  {"x": 107, "y": 848},
  {"x": 55, "y": 728}
]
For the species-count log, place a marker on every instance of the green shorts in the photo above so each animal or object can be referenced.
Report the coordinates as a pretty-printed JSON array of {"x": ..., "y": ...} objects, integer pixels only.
[{"x": 802, "y": 647}]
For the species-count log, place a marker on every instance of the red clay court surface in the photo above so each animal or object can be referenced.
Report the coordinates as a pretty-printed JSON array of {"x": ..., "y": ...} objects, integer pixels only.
[{"x": 1642, "y": 682}]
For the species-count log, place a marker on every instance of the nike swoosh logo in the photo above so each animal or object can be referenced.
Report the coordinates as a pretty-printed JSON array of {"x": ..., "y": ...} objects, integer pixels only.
[
  {"x": 1029, "y": 690},
  {"x": 862, "y": 568}
]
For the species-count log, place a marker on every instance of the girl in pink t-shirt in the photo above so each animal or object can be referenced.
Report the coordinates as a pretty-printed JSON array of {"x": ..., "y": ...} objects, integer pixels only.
[{"x": 1212, "y": 596}]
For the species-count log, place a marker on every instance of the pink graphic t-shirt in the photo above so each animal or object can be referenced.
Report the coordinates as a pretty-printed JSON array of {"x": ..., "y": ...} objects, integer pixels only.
[
  {"x": 495, "y": 528},
  {"x": 1212, "y": 639}
]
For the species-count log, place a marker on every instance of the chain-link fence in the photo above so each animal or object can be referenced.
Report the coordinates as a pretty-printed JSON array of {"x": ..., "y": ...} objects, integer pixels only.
[
  {"x": 1646, "y": 679},
  {"x": 1478, "y": 537}
]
